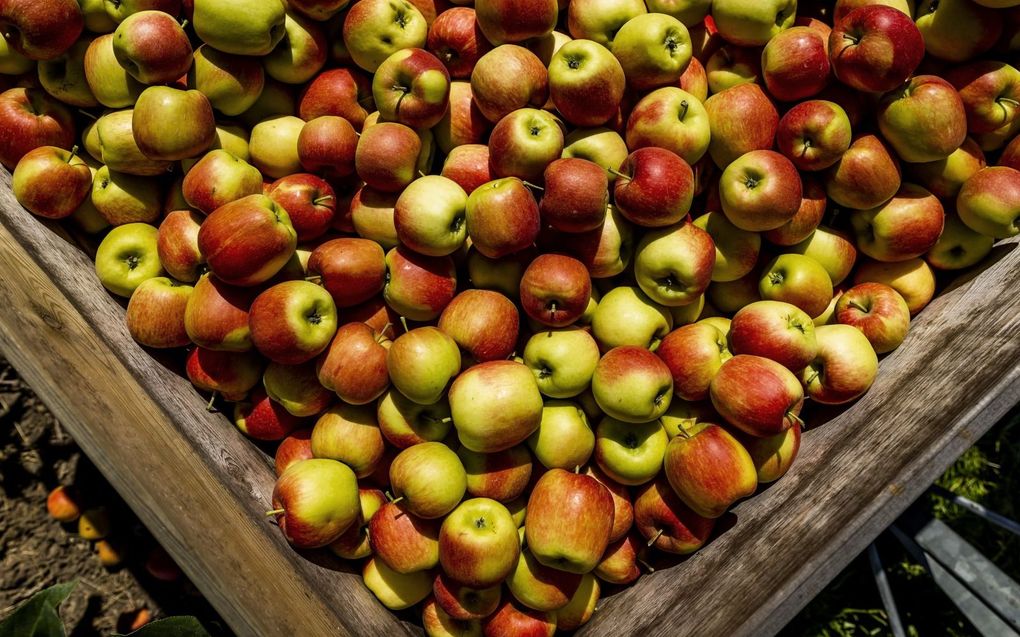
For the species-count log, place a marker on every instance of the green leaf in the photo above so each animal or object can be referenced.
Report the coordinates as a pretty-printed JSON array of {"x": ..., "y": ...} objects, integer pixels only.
[
  {"x": 38, "y": 616},
  {"x": 171, "y": 627}
]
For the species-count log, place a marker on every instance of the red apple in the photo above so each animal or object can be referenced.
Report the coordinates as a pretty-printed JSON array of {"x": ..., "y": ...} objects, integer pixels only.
[
  {"x": 878, "y": 311},
  {"x": 483, "y": 323},
  {"x": 728, "y": 114},
  {"x": 693, "y": 353},
  {"x": 326, "y": 146},
  {"x": 576, "y": 195},
  {"x": 666, "y": 522},
  {"x": 502, "y": 217},
  {"x": 51, "y": 182},
  {"x": 246, "y": 242},
  {"x": 795, "y": 64},
  {"x": 412, "y": 87},
  {"x": 775, "y": 330},
  {"x": 867, "y": 175},
  {"x": 511, "y": 620},
  {"x": 297, "y": 445},
  {"x": 709, "y": 469},
  {"x": 352, "y": 270},
  {"x": 261, "y": 418},
  {"x": 906, "y": 226},
  {"x": 387, "y": 156},
  {"x": 217, "y": 315},
  {"x": 875, "y": 48},
  {"x": 30, "y": 118},
  {"x": 232, "y": 374},
  {"x": 463, "y": 602},
  {"x": 760, "y": 190},
  {"x": 155, "y": 314},
  {"x": 292, "y": 322},
  {"x": 845, "y": 367},
  {"x": 507, "y": 78},
  {"x": 559, "y": 496},
  {"x": 468, "y": 165},
  {"x": 654, "y": 188},
  {"x": 309, "y": 201},
  {"x": 555, "y": 290},
  {"x": 354, "y": 364},
  {"x": 418, "y": 287},
  {"x": 456, "y": 38},
  {"x": 757, "y": 395},
  {"x": 41, "y": 29},
  {"x": 814, "y": 134}
]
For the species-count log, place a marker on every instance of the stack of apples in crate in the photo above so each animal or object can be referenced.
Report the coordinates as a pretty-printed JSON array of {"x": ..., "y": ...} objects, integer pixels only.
[{"x": 526, "y": 290}]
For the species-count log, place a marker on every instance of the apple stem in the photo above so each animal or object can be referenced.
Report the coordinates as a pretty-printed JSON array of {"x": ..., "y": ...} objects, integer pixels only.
[
  {"x": 88, "y": 114},
  {"x": 681, "y": 429},
  {"x": 322, "y": 199},
  {"x": 850, "y": 38},
  {"x": 811, "y": 378},
  {"x": 382, "y": 333},
  {"x": 619, "y": 174},
  {"x": 74, "y": 152},
  {"x": 533, "y": 186},
  {"x": 797, "y": 419},
  {"x": 646, "y": 565},
  {"x": 397, "y": 500},
  {"x": 403, "y": 321},
  {"x": 1009, "y": 100},
  {"x": 315, "y": 278},
  {"x": 274, "y": 512},
  {"x": 655, "y": 537},
  {"x": 421, "y": 173},
  {"x": 577, "y": 468},
  {"x": 209, "y": 406},
  {"x": 184, "y": 23}
]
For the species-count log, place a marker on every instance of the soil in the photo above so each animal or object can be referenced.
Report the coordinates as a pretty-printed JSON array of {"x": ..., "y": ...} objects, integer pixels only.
[{"x": 36, "y": 551}]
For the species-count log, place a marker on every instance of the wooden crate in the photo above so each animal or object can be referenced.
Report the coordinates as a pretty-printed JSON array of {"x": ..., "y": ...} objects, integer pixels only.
[{"x": 202, "y": 488}]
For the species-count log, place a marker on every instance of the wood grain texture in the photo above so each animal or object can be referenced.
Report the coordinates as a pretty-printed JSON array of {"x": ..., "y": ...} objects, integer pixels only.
[
  {"x": 202, "y": 488},
  {"x": 191, "y": 477}
]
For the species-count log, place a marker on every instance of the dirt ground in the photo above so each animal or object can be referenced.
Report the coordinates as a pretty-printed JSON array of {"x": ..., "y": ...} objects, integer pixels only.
[{"x": 36, "y": 551}]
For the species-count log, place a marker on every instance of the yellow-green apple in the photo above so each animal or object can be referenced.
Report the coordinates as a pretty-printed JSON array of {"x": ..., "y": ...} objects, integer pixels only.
[
  {"x": 464, "y": 603},
  {"x": 632, "y": 384},
  {"x": 158, "y": 105},
  {"x": 547, "y": 45},
  {"x": 923, "y": 120},
  {"x": 581, "y": 606},
  {"x": 263, "y": 26},
  {"x": 315, "y": 502},
  {"x": 845, "y": 367},
  {"x": 503, "y": 21},
  {"x": 959, "y": 246},
  {"x": 321, "y": 10},
  {"x": 844, "y": 7},
  {"x": 757, "y": 395},
  {"x": 760, "y": 190},
  {"x": 96, "y": 18},
  {"x": 878, "y": 311},
  {"x": 683, "y": 414},
  {"x": 833, "y": 249},
  {"x": 429, "y": 478},
  {"x": 292, "y": 322},
  {"x": 564, "y": 438},
  {"x": 736, "y": 250},
  {"x": 41, "y": 29},
  {"x": 623, "y": 510},
  {"x": 731, "y": 66},
  {"x": 468, "y": 165},
  {"x": 118, "y": 148},
  {"x": 178, "y": 245},
  {"x": 669, "y": 118},
  {"x": 456, "y": 38},
  {"x": 906, "y": 226},
  {"x": 693, "y": 355},
  {"x": 601, "y": 20},
  {"x": 603, "y": 146},
  {"x": 555, "y": 290},
  {"x": 752, "y": 24},
  {"x": 867, "y": 175},
  {"x": 694, "y": 80},
  {"x": 463, "y": 122},
  {"x": 429, "y": 216},
  {"x": 64, "y": 77},
  {"x": 152, "y": 47},
  {"x": 495, "y": 405},
  {"x": 541, "y": 587},
  {"x": 232, "y": 374},
  {"x": 402, "y": 540},
  {"x": 563, "y": 361},
  {"x": 798, "y": 280},
  {"x": 989, "y": 202},
  {"x": 309, "y": 201},
  {"x": 653, "y": 49},
  {"x": 483, "y": 323},
  {"x": 120, "y": 10},
  {"x": 709, "y": 469},
  {"x": 557, "y": 497},
  {"x": 352, "y": 270},
  {"x": 524, "y": 143},
  {"x": 387, "y": 156},
  {"x": 295, "y": 446},
  {"x": 774, "y": 455},
  {"x": 404, "y": 422},
  {"x": 666, "y": 522},
  {"x": 690, "y": 12},
  {"x": 814, "y": 134},
  {"x": 654, "y": 187},
  {"x": 108, "y": 81},
  {"x": 630, "y": 453},
  {"x": 875, "y": 48},
  {"x": 326, "y": 146},
  {"x": 626, "y": 316},
  {"x": 350, "y": 434},
  {"x": 395, "y": 591},
  {"x": 341, "y": 92},
  {"x": 127, "y": 257},
  {"x": 674, "y": 265},
  {"x": 728, "y": 114},
  {"x": 795, "y": 64},
  {"x": 354, "y": 364},
  {"x": 412, "y": 87},
  {"x": 606, "y": 251},
  {"x": 273, "y": 145},
  {"x": 421, "y": 364},
  {"x": 230, "y": 137},
  {"x": 52, "y": 182},
  {"x": 376, "y": 29},
  {"x": 990, "y": 91},
  {"x": 268, "y": 240},
  {"x": 354, "y": 543},
  {"x": 297, "y": 389},
  {"x": 511, "y": 620},
  {"x": 944, "y": 177},
  {"x": 217, "y": 315},
  {"x": 774, "y": 330},
  {"x": 576, "y": 195},
  {"x": 619, "y": 564},
  {"x": 684, "y": 314},
  {"x": 507, "y": 78},
  {"x": 502, "y": 476},
  {"x": 586, "y": 83},
  {"x": 912, "y": 278},
  {"x": 418, "y": 287},
  {"x": 155, "y": 313},
  {"x": 438, "y": 623},
  {"x": 30, "y": 118},
  {"x": 502, "y": 217},
  {"x": 478, "y": 543},
  {"x": 300, "y": 54},
  {"x": 958, "y": 30}
]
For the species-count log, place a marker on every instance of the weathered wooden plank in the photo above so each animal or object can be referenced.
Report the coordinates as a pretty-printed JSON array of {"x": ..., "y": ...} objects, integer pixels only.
[{"x": 196, "y": 483}]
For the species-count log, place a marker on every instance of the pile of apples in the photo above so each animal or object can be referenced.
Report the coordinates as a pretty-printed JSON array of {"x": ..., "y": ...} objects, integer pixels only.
[{"x": 526, "y": 290}]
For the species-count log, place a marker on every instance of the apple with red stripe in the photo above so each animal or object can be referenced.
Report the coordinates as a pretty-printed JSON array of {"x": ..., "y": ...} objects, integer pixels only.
[
  {"x": 217, "y": 315},
  {"x": 709, "y": 469},
  {"x": 845, "y": 367},
  {"x": 875, "y": 48},
  {"x": 560, "y": 496},
  {"x": 295, "y": 446},
  {"x": 484, "y": 325},
  {"x": 412, "y": 87},
  {"x": 502, "y": 475},
  {"x": 155, "y": 314},
  {"x": 51, "y": 182},
  {"x": 418, "y": 287},
  {"x": 654, "y": 188},
  {"x": 478, "y": 543},
  {"x": 775, "y": 330},
  {"x": 693, "y": 354},
  {"x": 246, "y": 242},
  {"x": 230, "y": 374},
  {"x": 262, "y": 418},
  {"x": 502, "y": 217},
  {"x": 666, "y": 523},
  {"x": 421, "y": 364},
  {"x": 456, "y": 38},
  {"x": 354, "y": 364},
  {"x": 462, "y": 602},
  {"x": 292, "y": 322},
  {"x": 315, "y": 501},
  {"x": 576, "y": 195},
  {"x": 728, "y": 114},
  {"x": 906, "y": 226},
  {"x": 309, "y": 201},
  {"x": 757, "y": 395}
]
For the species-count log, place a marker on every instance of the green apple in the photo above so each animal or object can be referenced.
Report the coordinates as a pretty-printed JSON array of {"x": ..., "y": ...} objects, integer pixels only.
[
  {"x": 600, "y": 20},
  {"x": 107, "y": 79},
  {"x": 627, "y": 316},
  {"x": 273, "y": 145},
  {"x": 349, "y": 434},
  {"x": 690, "y": 12},
  {"x": 97, "y": 20},
  {"x": 12, "y": 62},
  {"x": 798, "y": 280},
  {"x": 376, "y": 29},
  {"x": 121, "y": 198},
  {"x": 301, "y": 54},
  {"x": 958, "y": 246},
  {"x": 430, "y": 478},
  {"x": 683, "y": 414},
  {"x": 396, "y": 591},
  {"x": 405, "y": 423},
  {"x": 630, "y": 453},
  {"x": 736, "y": 250},
  {"x": 923, "y": 120},
  {"x": 495, "y": 405},
  {"x": 127, "y": 257},
  {"x": 845, "y": 367},
  {"x": 64, "y": 78},
  {"x": 422, "y": 363},
  {"x": 541, "y": 587},
  {"x": 752, "y": 23},
  {"x": 944, "y": 177},
  {"x": 233, "y": 83},
  {"x": 113, "y": 141},
  {"x": 562, "y": 361},
  {"x": 832, "y": 249},
  {"x": 430, "y": 216},
  {"x": 674, "y": 265},
  {"x": 564, "y": 439},
  {"x": 653, "y": 49},
  {"x": 603, "y": 146},
  {"x": 957, "y": 30},
  {"x": 315, "y": 501},
  {"x": 244, "y": 27}
]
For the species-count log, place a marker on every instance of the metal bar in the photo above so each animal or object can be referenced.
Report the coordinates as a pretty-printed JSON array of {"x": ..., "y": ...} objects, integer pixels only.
[
  {"x": 977, "y": 509},
  {"x": 885, "y": 591}
]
